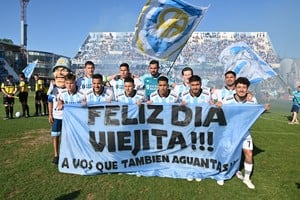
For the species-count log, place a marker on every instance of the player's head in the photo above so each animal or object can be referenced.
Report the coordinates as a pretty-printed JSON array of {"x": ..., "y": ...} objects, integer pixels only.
[
  {"x": 97, "y": 82},
  {"x": 124, "y": 70},
  {"x": 129, "y": 85},
  {"x": 163, "y": 86},
  {"x": 70, "y": 82},
  {"x": 241, "y": 86},
  {"x": 230, "y": 77},
  {"x": 22, "y": 76},
  {"x": 195, "y": 84},
  {"x": 186, "y": 73},
  {"x": 153, "y": 67},
  {"x": 89, "y": 68}
]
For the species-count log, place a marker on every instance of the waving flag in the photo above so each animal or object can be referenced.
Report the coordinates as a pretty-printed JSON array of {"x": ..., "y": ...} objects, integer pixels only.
[
  {"x": 28, "y": 70},
  {"x": 164, "y": 27},
  {"x": 241, "y": 59}
]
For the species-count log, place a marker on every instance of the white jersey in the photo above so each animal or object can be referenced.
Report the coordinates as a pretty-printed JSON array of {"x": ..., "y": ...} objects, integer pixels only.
[
  {"x": 84, "y": 83},
  {"x": 53, "y": 98},
  {"x": 231, "y": 100},
  {"x": 118, "y": 85},
  {"x": 180, "y": 88},
  {"x": 75, "y": 98},
  {"x": 106, "y": 95},
  {"x": 137, "y": 97},
  {"x": 204, "y": 97},
  {"x": 220, "y": 94},
  {"x": 171, "y": 98}
]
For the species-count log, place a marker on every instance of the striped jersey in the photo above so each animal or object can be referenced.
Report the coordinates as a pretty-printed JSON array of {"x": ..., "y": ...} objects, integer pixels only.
[
  {"x": 53, "y": 97},
  {"x": 69, "y": 98},
  {"x": 106, "y": 95},
  {"x": 84, "y": 83},
  {"x": 230, "y": 99},
  {"x": 220, "y": 94},
  {"x": 204, "y": 97},
  {"x": 180, "y": 88},
  {"x": 171, "y": 98},
  {"x": 138, "y": 96},
  {"x": 118, "y": 85}
]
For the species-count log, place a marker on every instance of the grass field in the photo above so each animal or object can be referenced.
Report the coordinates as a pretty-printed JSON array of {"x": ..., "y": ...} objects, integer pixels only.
[{"x": 27, "y": 172}]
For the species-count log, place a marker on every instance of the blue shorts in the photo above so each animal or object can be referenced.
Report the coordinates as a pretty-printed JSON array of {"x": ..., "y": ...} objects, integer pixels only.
[
  {"x": 56, "y": 127},
  {"x": 295, "y": 108}
]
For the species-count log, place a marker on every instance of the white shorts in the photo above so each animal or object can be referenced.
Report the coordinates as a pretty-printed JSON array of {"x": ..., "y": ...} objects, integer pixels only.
[{"x": 248, "y": 143}]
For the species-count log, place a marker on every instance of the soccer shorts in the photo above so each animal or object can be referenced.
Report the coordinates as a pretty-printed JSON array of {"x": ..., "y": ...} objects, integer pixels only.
[
  {"x": 248, "y": 143},
  {"x": 295, "y": 108},
  {"x": 56, "y": 127}
]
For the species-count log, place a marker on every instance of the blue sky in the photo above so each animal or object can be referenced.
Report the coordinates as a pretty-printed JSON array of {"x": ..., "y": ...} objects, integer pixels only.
[{"x": 61, "y": 26}]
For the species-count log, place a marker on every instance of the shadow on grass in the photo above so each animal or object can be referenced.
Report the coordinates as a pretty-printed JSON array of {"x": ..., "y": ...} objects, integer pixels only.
[
  {"x": 70, "y": 196},
  {"x": 298, "y": 185},
  {"x": 256, "y": 150}
]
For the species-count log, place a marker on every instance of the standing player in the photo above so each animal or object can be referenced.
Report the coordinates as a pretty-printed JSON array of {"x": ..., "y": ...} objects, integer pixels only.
[
  {"x": 9, "y": 89},
  {"x": 295, "y": 106},
  {"x": 130, "y": 95},
  {"x": 23, "y": 95},
  {"x": 60, "y": 70},
  {"x": 71, "y": 95},
  {"x": 117, "y": 81},
  {"x": 196, "y": 94},
  {"x": 163, "y": 94},
  {"x": 241, "y": 96},
  {"x": 85, "y": 83},
  {"x": 186, "y": 73},
  {"x": 39, "y": 92},
  {"x": 99, "y": 92}
]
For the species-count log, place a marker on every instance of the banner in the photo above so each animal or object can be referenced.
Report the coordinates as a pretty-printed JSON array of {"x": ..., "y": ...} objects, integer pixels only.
[
  {"x": 164, "y": 27},
  {"x": 241, "y": 59},
  {"x": 28, "y": 70},
  {"x": 155, "y": 140}
]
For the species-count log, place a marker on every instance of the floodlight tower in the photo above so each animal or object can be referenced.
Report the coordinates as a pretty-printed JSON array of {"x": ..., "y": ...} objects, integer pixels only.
[{"x": 24, "y": 4}]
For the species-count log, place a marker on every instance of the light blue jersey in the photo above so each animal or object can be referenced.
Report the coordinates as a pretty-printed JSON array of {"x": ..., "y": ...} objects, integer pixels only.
[
  {"x": 118, "y": 85},
  {"x": 296, "y": 99},
  {"x": 137, "y": 97},
  {"x": 84, "y": 83},
  {"x": 150, "y": 83},
  {"x": 106, "y": 95},
  {"x": 171, "y": 98},
  {"x": 204, "y": 97},
  {"x": 220, "y": 94},
  {"x": 180, "y": 88},
  {"x": 69, "y": 98}
]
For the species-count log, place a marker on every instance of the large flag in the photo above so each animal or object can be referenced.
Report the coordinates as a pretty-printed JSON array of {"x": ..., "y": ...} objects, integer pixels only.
[
  {"x": 28, "y": 70},
  {"x": 245, "y": 62},
  {"x": 164, "y": 27}
]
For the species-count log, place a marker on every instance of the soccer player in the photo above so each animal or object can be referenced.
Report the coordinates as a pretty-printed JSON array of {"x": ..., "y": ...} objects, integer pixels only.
[
  {"x": 9, "y": 89},
  {"x": 117, "y": 81},
  {"x": 219, "y": 94},
  {"x": 71, "y": 95},
  {"x": 85, "y": 83},
  {"x": 296, "y": 105},
  {"x": 99, "y": 92},
  {"x": 131, "y": 95},
  {"x": 163, "y": 94},
  {"x": 186, "y": 73},
  {"x": 60, "y": 70},
  {"x": 241, "y": 96},
  {"x": 23, "y": 95},
  {"x": 196, "y": 94}
]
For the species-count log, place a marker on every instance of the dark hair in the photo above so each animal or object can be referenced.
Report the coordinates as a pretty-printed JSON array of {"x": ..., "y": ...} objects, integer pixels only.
[
  {"x": 129, "y": 80},
  {"x": 125, "y": 65},
  {"x": 163, "y": 78},
  {"x": 22, "y": 75},
  {"x": 230, "y": 72},
  {"x": 154, "y": 62},
  {"x": 186, "y": 69},
  {"x": 97, "y": 76},
  {"x": 89, "y": 63},
  {"x": 242, "y": 80},
  {"x": 70, "y": 77},
  {"x": 195, "y": 78}
]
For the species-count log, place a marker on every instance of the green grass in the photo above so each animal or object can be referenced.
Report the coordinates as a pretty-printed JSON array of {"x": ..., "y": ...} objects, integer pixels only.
[{"x": 26, "y": 171}]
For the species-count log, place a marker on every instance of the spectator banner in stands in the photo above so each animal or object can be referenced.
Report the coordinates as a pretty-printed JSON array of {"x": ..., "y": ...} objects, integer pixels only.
[
  {"x": 164, "y": 27},
  {"x": 243, "y": 60},
  {"x": 174, "y": 141}
]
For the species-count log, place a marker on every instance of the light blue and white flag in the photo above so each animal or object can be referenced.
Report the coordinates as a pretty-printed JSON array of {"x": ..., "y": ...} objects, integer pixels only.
[
  {"x": 164, "y": 27},
  {"x": 28, "y": 70},
  {"x": 245, "y": 62}
]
